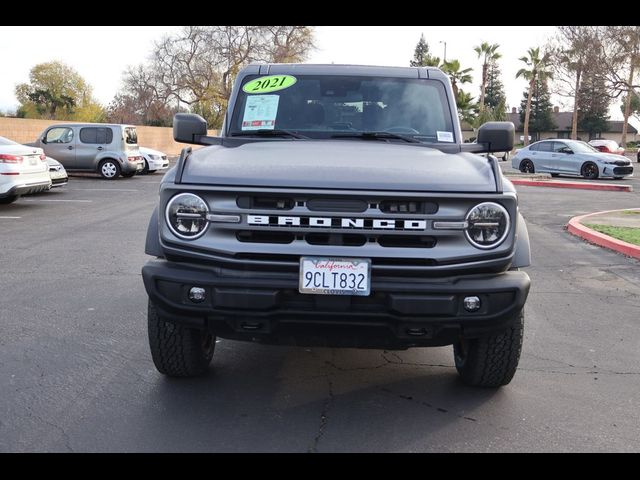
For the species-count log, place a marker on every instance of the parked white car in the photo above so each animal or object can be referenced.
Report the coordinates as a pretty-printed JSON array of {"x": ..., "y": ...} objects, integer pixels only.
[
  {"x": 23, "y": 170},
  {"x": 153, "y": 160},
  {"x": 58, "y": 174}
]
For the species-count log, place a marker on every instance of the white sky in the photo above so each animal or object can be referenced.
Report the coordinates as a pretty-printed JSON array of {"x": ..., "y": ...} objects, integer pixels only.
[{"x": 101, "y": 53}]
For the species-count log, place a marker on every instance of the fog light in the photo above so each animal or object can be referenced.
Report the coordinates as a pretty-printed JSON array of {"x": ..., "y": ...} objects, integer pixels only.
[
  {"x": 197, "y": 294},
  {"x": 471, "y": 304}
]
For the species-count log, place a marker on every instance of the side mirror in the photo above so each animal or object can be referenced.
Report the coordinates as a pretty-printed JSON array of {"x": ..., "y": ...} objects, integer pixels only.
[
  {"x": 44, "y": 140},
  {"x": 497, "y": 136},
  {"x": 187, "y": 127}
]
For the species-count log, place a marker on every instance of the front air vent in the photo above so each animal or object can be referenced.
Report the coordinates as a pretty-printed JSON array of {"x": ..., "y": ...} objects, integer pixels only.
[
  {"x": 265, "y": 203},
  {"x": 335, "y": 239},
  {"x": 408, "y": 206},
  {"x": 336, "y": 205},
  {"x": 247, "y": 236},
  {"x": 407, "y": 241}
]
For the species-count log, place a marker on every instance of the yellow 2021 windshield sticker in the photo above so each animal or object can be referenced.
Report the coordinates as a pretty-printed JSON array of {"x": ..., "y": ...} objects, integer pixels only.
[{"x": 272, "y": 83}]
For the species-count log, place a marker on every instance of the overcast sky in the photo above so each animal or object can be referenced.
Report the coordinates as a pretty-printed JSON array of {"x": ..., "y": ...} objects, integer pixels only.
[{"x": 101, "y": 53}]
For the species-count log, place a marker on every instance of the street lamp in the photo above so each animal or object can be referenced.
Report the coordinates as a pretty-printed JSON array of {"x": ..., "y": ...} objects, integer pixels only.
[{"x": 445, "y": 50}]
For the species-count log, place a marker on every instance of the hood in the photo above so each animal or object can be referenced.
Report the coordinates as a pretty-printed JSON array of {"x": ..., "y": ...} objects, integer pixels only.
[
  {"x": 340, "y": 164},
  {"x": 150, "y": 151},
  {"x": 608, "y": 157}
]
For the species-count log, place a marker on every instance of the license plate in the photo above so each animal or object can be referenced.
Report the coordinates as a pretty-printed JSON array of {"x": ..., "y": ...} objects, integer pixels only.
[{"x": 335, "y": 276}]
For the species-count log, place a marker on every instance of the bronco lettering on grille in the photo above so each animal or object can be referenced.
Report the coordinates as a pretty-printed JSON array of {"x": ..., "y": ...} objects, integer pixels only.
[{"x": 333, "y": 222}]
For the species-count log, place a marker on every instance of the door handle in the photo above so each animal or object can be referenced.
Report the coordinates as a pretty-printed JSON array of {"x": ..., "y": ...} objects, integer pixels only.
[
  {"x": 99, "y": 148},
  {"x": 69, "y": 147}
]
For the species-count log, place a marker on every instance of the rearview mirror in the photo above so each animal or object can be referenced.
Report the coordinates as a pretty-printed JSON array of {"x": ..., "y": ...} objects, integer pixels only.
[
  {"x": 497, "y": 136},
  {"x": 187, "y": 127}
]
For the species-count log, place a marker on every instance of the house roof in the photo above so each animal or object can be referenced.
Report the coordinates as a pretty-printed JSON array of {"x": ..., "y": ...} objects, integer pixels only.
[{"x": 563, "y": 121}]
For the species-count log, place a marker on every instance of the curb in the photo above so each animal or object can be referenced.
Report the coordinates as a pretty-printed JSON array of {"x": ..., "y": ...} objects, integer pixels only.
[
  {"x": 576, "y": 228},
  {"x": 576, "y": 185}
]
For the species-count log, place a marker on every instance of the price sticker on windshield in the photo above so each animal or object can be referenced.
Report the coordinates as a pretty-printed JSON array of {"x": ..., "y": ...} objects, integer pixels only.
[{"x": 272, "y": 83}]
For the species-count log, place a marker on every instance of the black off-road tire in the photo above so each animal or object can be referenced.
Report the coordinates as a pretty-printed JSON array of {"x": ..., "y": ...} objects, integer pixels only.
[
  {"x": 490, "y": 361},
  {"x": 178, "y": 351}
]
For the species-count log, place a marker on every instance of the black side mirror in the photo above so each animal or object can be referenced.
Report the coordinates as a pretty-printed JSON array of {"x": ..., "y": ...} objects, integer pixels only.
[
  {"x": 44, "y": 140},
  {"x": 187, "y": 127},
  {"x": 497, "y": 136}
]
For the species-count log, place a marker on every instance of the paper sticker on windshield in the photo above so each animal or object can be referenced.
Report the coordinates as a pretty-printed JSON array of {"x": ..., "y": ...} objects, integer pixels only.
[
  {"x": 445, "y": 136},
  {"x": 260, "y": 112},
  {"x": 269, "y": 84}
]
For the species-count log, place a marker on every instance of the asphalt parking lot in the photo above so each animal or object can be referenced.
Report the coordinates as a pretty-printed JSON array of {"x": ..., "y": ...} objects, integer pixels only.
[{"x": 76, "y": 373}]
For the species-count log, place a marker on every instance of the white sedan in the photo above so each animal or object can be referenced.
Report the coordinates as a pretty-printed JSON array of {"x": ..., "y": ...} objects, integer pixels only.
[
  {"x": 153, "y": 160},
  {"x": 23, "y": 170}
]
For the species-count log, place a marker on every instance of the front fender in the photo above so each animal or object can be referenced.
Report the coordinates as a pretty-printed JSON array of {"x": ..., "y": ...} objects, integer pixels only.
[
  {"x": 152, "y": 243},
  {"x": 522, "y": 258}
]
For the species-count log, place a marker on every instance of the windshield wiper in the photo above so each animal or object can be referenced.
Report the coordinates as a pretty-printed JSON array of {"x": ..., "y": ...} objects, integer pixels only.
[
  {"x": 376, "y": 136},
  {"x": 269, "y": 133}
]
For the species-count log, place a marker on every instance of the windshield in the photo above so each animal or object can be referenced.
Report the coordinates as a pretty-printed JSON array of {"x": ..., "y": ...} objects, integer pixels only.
[
  {"x": 579, "y": 146},
  {"x": 325, "y": 106}
]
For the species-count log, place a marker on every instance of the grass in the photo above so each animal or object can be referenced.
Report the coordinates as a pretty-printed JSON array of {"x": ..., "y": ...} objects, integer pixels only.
[
  {"x": 631, "y": 212},
  {"x": 626, "y": 234}
]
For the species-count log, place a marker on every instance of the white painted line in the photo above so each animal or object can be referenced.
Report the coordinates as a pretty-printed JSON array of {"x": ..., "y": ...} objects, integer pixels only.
[
  {"x": 43, "y": 200},
  {"x": 101, "y": 190},
  {"x": 9, "y": 217}
]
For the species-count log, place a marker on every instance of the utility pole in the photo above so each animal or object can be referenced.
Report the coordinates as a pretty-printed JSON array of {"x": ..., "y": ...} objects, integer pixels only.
[{"x": 445, "y": 50}]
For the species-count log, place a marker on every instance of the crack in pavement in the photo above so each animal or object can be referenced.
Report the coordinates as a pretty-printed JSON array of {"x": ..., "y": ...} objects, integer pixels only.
[
  {"x": 429, "y": 405},
  {"x": 324, "y": 417}
]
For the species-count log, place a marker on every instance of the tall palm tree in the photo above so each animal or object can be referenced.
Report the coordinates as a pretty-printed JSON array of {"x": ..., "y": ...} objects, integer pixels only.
[
  {"x": 490, "y": 54},
  {"x": 538, "y": 69},
  {"x": 457, "y": 76}
]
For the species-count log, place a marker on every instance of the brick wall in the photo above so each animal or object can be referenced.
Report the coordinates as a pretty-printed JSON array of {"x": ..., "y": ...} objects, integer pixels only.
[{"x": 23, "y": 130}]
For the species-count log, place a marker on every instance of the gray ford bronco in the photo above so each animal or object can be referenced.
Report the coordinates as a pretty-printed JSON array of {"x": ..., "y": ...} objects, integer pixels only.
[{"x": 339, "y": 207}]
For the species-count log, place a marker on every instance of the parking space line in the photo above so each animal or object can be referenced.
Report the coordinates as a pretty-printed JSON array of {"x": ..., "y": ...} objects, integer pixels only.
[
  {"x": 8, "y": 218},
  {"x": 46, "y": 200},
  {"x": 102, "y": 190}
]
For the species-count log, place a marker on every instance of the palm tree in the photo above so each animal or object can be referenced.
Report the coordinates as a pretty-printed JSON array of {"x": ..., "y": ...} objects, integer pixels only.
[
  {"x": 539, "y": 70},
  {"x": 457, "y": 76},
  {"x": 490, "y": 54}
]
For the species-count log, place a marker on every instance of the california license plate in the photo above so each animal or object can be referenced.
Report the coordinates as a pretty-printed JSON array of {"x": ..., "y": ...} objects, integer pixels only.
[{"x": 335, "y": 276}]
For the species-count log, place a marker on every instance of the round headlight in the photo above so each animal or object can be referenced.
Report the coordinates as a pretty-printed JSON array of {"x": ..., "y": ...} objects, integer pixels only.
[
  {"x": 187, "y": 216},
  {"x": 487, "y": 225}
]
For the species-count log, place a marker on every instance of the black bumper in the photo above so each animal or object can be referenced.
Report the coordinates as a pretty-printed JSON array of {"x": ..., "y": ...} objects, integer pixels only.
[
  {"x": 399, "y": 313},
  {"x": 26, "y": 189}
]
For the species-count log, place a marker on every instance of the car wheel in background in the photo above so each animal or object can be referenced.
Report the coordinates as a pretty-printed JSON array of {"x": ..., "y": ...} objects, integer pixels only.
[
  {"x": 128, "y": 175},
  {"x": 526, "y": 166},
  {"x": 491, "y": 360},
  {"x": 505, "y": 157},
  {"x": 589, "y": 171},
  {"x": 8, "y": 200},
  {"x": 109, "y": 169},
  {"x": 555, "y": 174},
  {"x": 145, "y": 170}
]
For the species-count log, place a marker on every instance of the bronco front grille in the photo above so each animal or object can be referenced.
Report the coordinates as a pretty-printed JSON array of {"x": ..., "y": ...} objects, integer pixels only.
[{"x": 393, "y": 230}]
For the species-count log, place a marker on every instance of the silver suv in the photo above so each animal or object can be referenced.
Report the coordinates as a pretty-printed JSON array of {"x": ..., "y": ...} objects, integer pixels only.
[{"x": 110, "y": 150}]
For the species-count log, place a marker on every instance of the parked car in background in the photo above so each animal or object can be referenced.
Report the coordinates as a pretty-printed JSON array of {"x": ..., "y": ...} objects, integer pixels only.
[
  {"x": 153, "y": 160},
  {"x": 58, "y": 174},
  {"x": 607, "y": 146},
  {"x": 108, "y": 149},
  {"x": 570, "y": 157},
  {"x": 23, "y": 170}
]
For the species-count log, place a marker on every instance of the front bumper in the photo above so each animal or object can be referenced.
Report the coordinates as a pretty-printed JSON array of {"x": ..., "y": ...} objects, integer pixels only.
[{"x": 399, "y": 313}]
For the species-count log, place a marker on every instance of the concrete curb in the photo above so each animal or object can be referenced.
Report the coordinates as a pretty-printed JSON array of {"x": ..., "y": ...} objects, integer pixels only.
[
  {"x": 576, "y": 228},
  {"x": 576, "y": 185}
]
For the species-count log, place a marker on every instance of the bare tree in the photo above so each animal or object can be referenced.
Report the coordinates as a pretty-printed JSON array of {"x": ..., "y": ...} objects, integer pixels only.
[
  {"x": 573, "y": 50},
  {"x": 621, "y": 59},
  {"x": 198, "y": 65}
]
